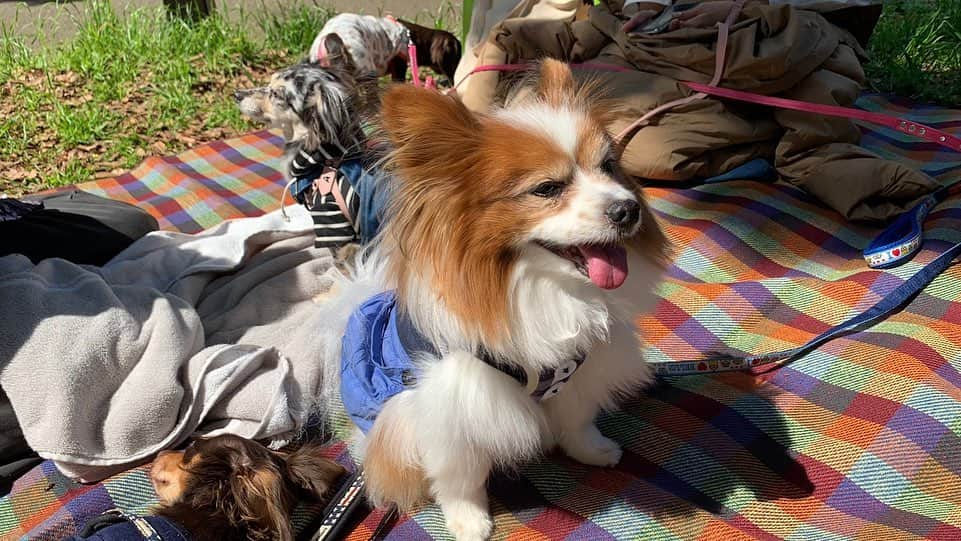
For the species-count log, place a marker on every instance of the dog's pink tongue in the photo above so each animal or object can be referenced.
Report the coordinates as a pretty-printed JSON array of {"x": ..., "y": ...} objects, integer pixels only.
[{"x": 606, "y": 265}]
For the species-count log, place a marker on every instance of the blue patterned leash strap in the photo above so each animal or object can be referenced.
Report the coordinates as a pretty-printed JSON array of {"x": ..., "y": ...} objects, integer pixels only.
[{"x": 890, "y": 304}]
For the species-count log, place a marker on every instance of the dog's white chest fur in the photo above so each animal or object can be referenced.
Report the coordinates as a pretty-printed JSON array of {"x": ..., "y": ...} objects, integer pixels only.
[{"x": 464, "y": 417}]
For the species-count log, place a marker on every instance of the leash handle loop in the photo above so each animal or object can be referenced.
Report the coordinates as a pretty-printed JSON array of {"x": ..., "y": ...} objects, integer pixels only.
[{"x": 902, "y": 239}]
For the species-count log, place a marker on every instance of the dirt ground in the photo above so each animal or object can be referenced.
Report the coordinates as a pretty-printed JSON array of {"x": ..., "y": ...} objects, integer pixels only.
[{"x": 30, "y": 18}]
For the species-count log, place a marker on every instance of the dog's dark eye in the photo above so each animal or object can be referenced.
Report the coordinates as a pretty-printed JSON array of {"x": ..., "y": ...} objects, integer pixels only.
[
  {"x": 609, "y": 166},
  {"x": 551, "y": 188},
  {"x": 280, "y": 94}
]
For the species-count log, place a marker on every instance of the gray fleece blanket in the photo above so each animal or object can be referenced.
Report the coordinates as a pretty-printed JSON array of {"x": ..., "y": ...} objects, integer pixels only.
[{"x": 179, "y": 334}]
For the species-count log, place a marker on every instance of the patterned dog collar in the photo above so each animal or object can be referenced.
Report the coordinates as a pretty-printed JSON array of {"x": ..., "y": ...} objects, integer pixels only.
[{"x": 541, "y": 386}]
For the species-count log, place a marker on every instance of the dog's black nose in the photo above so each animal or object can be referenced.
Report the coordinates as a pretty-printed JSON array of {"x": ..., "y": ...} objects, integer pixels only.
[
  {"x": 624, "y": 213},
  {"x": 240, "y": 94}
]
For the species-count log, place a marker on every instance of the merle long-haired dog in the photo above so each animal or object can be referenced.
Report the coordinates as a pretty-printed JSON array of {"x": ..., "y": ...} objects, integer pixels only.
[
  {"x": 229, "y": 487},
  {"x": 315, "y": 105},
  {"x": 321, "y": 109}
]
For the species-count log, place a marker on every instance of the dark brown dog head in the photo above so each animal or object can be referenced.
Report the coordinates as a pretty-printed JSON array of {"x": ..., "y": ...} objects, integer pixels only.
[{"x": 229, "y": 487}]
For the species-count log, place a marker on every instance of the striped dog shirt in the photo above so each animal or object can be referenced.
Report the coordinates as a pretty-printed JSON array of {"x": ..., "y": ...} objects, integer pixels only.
[{"x": 325, "y": 185}]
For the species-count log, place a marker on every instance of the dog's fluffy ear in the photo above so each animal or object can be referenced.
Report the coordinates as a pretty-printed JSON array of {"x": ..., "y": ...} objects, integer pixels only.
[
  {"x": 337, "y": 53},
  {"x": 310, "y": 471},
  {"x": 555, "y": 82},
  {"x": 326, "y": 109},
  {"x": 260, "y": 502},
  {"x": 427, "y": 128}
]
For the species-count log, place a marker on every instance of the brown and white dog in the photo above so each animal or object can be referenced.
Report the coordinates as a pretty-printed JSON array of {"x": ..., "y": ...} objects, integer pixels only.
[
  {"x": 518, "y": 251},
  {"x": 378, "y": 45}
]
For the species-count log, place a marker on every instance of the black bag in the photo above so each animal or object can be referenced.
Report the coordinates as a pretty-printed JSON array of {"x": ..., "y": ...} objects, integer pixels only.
[{"x": 76, "y": 226}]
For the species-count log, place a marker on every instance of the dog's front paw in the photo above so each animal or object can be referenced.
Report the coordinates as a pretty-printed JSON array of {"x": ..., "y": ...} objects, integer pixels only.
[
  {"x": 468, "y": 522},
  {"x": 593, "y": 448}
]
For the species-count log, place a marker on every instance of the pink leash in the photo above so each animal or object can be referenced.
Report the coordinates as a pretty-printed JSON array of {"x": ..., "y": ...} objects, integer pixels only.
[
  {"x": 415, "y": 69},
  {"x": 916, "y": 129},
  {"x": 909, "y": 127},
  {"x": 412, "y": 59},
  {"x": 922, "y": 131}
]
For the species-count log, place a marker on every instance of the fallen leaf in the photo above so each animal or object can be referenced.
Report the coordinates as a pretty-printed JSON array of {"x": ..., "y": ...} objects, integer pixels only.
[
  {"x": 19, "y": 173},
  {"x": 187, "y": 140},
  {"x": 68, "y": 77}
]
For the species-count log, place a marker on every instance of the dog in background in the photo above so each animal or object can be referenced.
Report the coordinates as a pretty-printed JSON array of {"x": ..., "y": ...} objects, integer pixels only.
[
  {"x": 229, "y": 487},
  {"x": 315, "y": 105},
  {"x": 378, "y": 45},
  {"x": 494, "y": 316},
  {"x": 322, "y": 110}
]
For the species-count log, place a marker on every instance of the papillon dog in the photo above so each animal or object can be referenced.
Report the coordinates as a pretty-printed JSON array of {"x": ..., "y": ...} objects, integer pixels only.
[{"x": 494, "y": 316}]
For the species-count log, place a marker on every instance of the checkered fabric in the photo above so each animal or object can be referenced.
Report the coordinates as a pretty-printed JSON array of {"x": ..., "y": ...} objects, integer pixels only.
[
  {"x": 206, "y": 185},
  {"x": 858, "y": 440}
]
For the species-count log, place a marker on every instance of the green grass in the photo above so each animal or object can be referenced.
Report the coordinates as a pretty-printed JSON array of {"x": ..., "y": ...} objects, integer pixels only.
[
  {"x": 143, "y": 83},
  {"x": 125, "y": 81},
  {"x": 916, "y": 51},
  {"x": 126, "y": 87}
]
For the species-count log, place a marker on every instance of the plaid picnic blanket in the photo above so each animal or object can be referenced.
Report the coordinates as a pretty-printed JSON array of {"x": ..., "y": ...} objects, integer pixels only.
[{"x": 858, "y": 440}]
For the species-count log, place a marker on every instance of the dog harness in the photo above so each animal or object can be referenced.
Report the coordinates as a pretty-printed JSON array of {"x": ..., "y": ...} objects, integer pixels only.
[
  {"x": 117, "y": 525},
  {"x": 323, "y": 181},
  {"x": 379, "y": 346}
]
